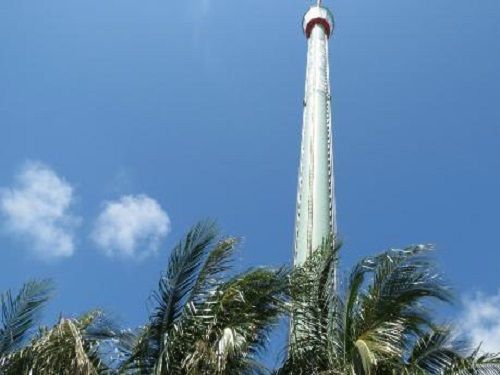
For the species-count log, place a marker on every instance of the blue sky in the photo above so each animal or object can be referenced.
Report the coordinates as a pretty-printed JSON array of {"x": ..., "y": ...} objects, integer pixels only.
[{"x": 177, "y": 111}]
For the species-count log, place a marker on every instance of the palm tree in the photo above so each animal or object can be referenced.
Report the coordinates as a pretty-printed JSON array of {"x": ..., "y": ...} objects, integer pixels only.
[
  {"x": 73, "y": 346},
  {"x": 205, "y": 321},
  {"x": 380, "y": 323},
  {"x": 19, "y": 315},
  {"x": 436, "y": 352}
]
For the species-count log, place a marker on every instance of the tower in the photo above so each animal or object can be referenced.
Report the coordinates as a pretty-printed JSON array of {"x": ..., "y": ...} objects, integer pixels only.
[{"x": 315, "y": 215}]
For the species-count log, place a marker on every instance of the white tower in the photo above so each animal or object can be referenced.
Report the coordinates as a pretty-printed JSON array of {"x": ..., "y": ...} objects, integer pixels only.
[{"x": 315, "y": 217}]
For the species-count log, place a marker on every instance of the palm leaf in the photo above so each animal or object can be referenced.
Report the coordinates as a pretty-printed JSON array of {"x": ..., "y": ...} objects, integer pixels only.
[
  {"x": 367, "y": 327},
  {"x": 63, "y": 349},
  {"x": 20, "y": 313},
  {"x": 231, "y": 328},
  {"x": 204, "y": 321},
  {"x": 476, "y": 364},
  {"x": 181, "y": 276},
  {"x": 392, "y": 309},
  {"x": 435, "y": 351},
  {"x": 313, "y": 288}
]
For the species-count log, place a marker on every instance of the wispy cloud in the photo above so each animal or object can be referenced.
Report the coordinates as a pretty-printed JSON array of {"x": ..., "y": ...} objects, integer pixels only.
[
  {"x": 480, "y": 321},
  {"x": 37, "y": 209},
  {"x": 131, "y": 227}
]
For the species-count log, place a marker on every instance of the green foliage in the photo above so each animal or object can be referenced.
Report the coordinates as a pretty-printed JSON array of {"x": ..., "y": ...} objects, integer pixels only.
[
  {"x": 437, "y": 353},
  {"x": 20, "y": 313},
  {"x": 204, "y": 320},
  {"x": 207, "y": 320},
  {"x": 70, "y": 347},
  {"x": 380, "y": 322}
]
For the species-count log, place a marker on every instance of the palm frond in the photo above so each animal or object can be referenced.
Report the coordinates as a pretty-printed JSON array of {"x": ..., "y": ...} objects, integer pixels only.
[
  {"x": 181, "y": 276},
  {"x": 367, "y": 327},
  {"x": 312, "y": 292},
  {"x": 63, "y": 349},
  {"x": 232, "y": 326},
  {"x": 216, "y": 264},
  {"x": 204, "y": 321},
  {"x": 393, "y": 307},
  {"x": 435, "y": 351},
  {"x": 475, "y": 364},
  {"x": 20, "y": 313},
  {"x": 189, "y": 270}
]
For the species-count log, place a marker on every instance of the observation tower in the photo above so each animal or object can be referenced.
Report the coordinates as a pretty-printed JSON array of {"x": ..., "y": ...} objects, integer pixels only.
[{"x": 316, "y": 215}]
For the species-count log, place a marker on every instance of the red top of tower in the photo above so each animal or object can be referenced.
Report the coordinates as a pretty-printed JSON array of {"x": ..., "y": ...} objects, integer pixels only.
[{"x": 318, "y": 15}]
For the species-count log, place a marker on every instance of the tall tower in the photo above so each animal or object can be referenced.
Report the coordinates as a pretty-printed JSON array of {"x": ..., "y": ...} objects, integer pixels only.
[{"x": 315, "y": 216}]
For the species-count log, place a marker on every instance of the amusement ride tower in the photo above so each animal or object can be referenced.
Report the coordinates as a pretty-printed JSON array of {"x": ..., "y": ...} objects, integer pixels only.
[{"x": 316, "y": 216}]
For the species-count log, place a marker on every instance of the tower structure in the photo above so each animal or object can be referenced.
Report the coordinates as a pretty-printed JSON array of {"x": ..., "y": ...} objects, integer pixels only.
[{"x": 316, "y": 214}]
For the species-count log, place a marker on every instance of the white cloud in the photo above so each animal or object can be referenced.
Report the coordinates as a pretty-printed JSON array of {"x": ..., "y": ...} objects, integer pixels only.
[
  {"x": 131, "y": 227},
  {"x": 481, "y": 321},
  {"x": 37, "y": 209}
]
